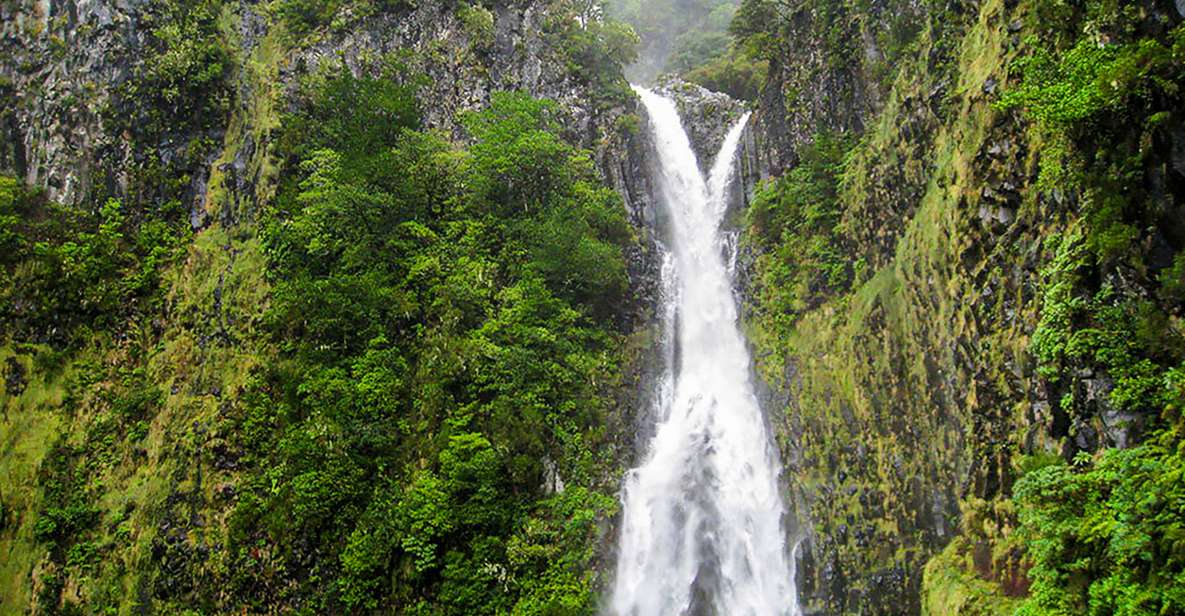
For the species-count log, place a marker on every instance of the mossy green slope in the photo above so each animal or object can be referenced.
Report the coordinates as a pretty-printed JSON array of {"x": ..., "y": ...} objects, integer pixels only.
[{"x": 903, "y": 337}]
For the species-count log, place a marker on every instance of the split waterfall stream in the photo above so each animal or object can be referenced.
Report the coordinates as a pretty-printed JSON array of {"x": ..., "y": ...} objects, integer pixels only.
[{"x": 702, "y": 528}]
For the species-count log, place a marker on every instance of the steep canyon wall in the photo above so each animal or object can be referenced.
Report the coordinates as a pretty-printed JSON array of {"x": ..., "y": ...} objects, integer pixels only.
[{"x": 909, "y": 382}]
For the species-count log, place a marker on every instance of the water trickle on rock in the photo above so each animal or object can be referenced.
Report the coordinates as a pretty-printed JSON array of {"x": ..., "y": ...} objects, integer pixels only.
[{"x": 702, "y": 522}]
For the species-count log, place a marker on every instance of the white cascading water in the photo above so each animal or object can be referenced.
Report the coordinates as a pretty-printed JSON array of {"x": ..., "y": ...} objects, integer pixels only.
[{"x": 702, "y": 521}]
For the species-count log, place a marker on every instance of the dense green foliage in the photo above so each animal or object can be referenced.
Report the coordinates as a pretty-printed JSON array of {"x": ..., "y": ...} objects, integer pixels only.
[
  {"x": 1107, "y": 535},
  {"x": 303, "y": 16},
  {"x": 383, "y": 420},
  {"x": 1102, "y": 57},
  {"x": 62, "y": 268},
  {"x": 384, "y": 378},
  {"x": 794, "y": 223},
  {"x": 593, "y": 47},
  {"x": 1130, "y": 339},
  {"x": 446, "y": 318}
]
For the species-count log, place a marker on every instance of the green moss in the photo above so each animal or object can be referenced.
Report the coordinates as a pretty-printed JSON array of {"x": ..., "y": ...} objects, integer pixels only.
[
  {"x": 30, "y": 422},
  {"x": 949, "y": 588},
  {"x": 478, "y": 22},
  {"x": 793, "y": 223},
  {"x": 922, "y": 376}
]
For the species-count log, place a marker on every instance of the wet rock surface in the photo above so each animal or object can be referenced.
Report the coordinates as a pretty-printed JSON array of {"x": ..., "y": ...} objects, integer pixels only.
[
  {"x": 61, "y": 60},
  {"x": 707, "y": 116}
]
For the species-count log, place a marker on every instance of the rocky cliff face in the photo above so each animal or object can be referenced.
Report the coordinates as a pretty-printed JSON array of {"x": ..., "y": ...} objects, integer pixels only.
[
  {"x": 67, "y": 64},
  {"x": 911, "y": 399},
  {"x": 830, "y": 70},
  {"x": 62, "y": 63}
]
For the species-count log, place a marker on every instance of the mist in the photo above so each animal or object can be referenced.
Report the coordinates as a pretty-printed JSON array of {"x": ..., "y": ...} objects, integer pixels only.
[{"x": 676, "y": 35}]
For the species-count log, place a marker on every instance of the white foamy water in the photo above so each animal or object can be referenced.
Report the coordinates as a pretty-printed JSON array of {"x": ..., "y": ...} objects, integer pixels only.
[{"x": 702, "y": 521}]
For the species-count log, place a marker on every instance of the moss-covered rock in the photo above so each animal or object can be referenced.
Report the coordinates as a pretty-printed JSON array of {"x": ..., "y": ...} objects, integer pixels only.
[{"x": 913, "y": 399}]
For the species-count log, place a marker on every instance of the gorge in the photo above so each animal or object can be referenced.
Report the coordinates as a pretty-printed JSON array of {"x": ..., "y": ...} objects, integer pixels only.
[{"x": 417, "y": 307}]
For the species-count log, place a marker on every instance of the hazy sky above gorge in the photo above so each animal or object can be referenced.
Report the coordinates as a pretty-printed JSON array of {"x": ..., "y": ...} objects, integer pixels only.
[{"x": 674, "y": 32}]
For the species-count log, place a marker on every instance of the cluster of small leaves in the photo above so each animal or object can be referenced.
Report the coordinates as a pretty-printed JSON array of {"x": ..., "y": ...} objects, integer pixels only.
[
  {"x": 1090, "y": 78},
  {"x": 301, "y": 17},
  {"x": 67, "y": 511},
  {"x": 758, "y": 24},
  {"x": 1128, "y": 338},
  {"x": 478, "y": 22},
  {"x": 1106, "y": 535},
  {"x": 63, "y": 268},
  {"x": 67, "y": 518},
  {"x": 1105, "y": 69}
]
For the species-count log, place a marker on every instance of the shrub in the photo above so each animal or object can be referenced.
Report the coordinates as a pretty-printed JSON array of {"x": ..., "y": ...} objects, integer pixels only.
[
  {"x": 794, "y": 221},
  {"x": 1106, "y": 535}
]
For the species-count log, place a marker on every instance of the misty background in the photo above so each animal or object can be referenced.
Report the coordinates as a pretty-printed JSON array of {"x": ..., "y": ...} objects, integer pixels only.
[{"x": 689, "y": 39}]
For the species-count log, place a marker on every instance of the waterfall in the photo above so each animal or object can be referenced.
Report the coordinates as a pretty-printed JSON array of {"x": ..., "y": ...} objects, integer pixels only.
[{"x": 702, "y": 521}]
